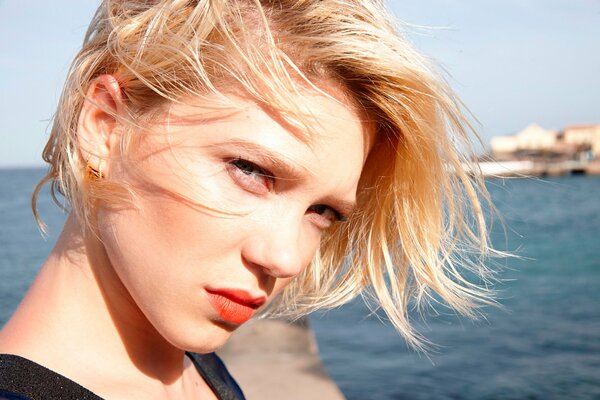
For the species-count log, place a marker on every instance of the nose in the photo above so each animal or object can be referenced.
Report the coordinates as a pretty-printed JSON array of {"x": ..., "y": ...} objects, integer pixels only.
[{"x": 277, "y": 247}]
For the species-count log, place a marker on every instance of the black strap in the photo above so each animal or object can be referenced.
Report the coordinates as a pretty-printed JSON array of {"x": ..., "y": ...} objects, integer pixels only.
[{"x": 216, "y": 376}]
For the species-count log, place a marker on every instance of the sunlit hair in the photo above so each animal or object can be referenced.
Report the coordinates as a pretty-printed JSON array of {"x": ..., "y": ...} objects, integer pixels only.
[{"x": 419, "y": 228}]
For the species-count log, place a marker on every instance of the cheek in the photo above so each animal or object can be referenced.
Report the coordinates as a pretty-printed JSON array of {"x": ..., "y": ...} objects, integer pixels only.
[
  {"x": 169, "y": 242},
  {"x": 136, "y": 253},
  {"x": 156, "y": 274}
]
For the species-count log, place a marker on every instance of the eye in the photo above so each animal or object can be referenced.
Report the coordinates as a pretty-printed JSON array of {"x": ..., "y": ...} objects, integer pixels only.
[
  {"x": 250, "y": 176},
  {"x": 325, "y": 216}
]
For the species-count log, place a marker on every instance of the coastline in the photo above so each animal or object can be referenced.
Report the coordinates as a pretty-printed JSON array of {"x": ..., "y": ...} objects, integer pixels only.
[{"x": 530, "y": 168}]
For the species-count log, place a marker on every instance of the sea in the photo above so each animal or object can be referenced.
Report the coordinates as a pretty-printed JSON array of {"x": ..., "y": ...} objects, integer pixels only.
[{"x": 542, "y": 343}]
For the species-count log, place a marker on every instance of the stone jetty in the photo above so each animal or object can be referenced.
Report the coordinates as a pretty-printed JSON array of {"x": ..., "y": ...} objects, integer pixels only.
[{"x": 274, "y": 359}]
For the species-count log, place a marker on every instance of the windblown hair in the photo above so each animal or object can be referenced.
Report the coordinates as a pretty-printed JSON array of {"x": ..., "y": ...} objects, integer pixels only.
[{"x": 419, "y": 228}]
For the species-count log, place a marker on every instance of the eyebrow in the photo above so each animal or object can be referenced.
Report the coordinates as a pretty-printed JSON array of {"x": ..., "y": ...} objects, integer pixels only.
[{"x": 291, "y": 170}]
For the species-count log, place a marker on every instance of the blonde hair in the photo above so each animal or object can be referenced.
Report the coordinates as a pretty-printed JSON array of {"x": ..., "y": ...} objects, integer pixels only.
[{"x": 419, "y": 218}]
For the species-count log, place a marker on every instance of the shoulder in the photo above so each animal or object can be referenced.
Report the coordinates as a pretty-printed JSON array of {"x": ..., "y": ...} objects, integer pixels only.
[
  {"x": 216, "y": 375},
  {"x": 22, "y": 379}
]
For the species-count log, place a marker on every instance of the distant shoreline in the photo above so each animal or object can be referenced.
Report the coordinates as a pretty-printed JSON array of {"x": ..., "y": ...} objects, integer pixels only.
[{"x": 22, "y": 167}]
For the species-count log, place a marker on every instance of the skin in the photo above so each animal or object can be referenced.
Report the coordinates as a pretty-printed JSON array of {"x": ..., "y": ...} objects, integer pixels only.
[{"x": 124, "y": 304}]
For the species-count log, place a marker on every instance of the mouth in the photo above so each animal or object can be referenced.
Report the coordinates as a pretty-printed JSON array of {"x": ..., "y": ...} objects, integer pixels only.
[{"x": 234, "y": 306}]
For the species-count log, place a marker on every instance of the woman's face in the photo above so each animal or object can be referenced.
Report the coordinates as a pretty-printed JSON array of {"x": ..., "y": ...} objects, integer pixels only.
[{"x": 194, "y": 272}]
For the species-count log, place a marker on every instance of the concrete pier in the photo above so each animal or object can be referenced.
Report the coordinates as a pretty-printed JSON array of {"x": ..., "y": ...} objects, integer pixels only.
[
  {"x": 529, "y": 168},
  {"x": 273, "y": 359}
]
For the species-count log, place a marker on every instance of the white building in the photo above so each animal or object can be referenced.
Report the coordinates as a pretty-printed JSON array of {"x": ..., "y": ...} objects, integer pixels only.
[
  {"x": 584, "y": 135},
  {"x": 532, "y": 138}
]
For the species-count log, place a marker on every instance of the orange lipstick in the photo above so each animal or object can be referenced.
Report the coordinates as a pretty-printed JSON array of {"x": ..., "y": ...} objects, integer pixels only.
[{"x": 234, "y": 306}]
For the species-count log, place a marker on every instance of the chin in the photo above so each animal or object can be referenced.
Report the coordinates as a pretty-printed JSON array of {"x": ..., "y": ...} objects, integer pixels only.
[{"x": 205, "y": 340}]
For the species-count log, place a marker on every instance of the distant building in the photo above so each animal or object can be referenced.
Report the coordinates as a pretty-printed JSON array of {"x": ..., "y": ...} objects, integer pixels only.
[
  {"x": 584, "y": 136},
  {"x": 538, "y": 151},
  {"x": 532, "y": 139}
]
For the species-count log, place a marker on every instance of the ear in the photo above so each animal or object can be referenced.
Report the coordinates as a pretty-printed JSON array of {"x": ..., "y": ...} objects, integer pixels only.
[{"x": 97, "y": 133}]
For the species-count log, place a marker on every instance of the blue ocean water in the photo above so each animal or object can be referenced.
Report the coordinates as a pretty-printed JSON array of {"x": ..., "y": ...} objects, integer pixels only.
[{"x": 544, "y": 345}]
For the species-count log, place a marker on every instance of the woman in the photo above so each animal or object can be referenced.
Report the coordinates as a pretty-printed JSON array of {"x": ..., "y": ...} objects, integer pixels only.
[{"x": 231, "y": 157}]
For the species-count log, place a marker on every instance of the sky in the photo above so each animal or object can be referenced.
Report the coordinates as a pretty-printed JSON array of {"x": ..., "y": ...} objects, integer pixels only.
[{"x": 511, "y": 62}]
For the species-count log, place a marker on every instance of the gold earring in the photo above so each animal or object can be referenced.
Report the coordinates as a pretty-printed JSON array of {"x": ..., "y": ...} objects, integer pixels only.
[{"x": 94, "y": 173}]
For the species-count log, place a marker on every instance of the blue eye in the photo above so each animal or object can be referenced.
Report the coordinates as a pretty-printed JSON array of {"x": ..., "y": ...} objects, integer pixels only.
[
  {"x": 327, "y": 212},
  {"x": 250, "y": 176}
]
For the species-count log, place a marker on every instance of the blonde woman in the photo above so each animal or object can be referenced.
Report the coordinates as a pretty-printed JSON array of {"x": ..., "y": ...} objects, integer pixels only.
[{"x": 227, "y": 158}]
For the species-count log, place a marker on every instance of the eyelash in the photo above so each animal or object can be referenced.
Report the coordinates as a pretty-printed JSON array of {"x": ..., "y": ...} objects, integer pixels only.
[{"x": 248, "y": 167}]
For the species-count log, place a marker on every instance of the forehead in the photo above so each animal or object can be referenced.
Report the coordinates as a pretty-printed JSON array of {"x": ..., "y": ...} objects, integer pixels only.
[{"x": 318, "y": 121}]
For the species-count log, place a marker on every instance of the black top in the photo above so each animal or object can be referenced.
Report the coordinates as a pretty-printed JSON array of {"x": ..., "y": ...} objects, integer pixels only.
[{"x": 23, "y": 379}]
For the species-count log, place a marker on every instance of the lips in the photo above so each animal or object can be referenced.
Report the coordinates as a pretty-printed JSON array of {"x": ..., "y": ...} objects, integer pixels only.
[{"x": 234, "y": 306}]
